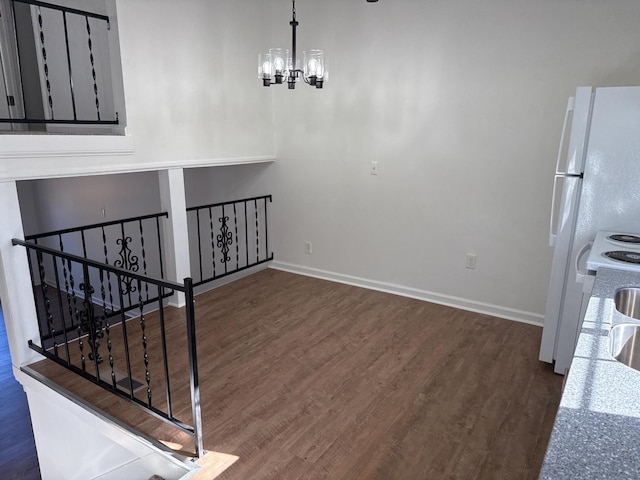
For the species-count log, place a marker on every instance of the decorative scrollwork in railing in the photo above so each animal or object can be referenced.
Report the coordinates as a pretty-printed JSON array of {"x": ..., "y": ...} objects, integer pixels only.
[
  {"x": 241, "y": 241},
  {"x": 128, "y": 261},
  {"x": 225, "y": 239}
]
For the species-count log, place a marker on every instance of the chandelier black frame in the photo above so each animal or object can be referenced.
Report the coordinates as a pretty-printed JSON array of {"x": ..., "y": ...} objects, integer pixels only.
[{"x": 276, "y": 67}]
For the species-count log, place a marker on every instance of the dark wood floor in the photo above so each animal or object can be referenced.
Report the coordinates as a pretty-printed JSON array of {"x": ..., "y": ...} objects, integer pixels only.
[
  {"x": 18, "y": 459},
  {"x": 303, "y": 378}
]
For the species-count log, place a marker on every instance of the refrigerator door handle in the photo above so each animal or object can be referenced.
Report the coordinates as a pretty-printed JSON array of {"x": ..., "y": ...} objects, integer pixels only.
[
  {"x": 581, "y": 274},
  {"x": 570, "y": 107},
  {"x": 552, "y": 223}
]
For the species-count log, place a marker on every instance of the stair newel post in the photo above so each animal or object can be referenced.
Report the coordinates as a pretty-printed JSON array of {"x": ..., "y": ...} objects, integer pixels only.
[{"x": 193, "y": 367}]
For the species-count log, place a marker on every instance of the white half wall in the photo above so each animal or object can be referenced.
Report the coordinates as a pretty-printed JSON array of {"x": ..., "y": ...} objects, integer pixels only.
[
  {"x": 461, "y": 104},
  {"x": 75, "y": 443}
]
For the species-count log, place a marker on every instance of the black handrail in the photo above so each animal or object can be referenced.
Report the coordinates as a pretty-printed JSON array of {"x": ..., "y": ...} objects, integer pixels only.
[
  {"x": 102, "y": 266},
  {"x": 242, "y": 225},
  {"x": 64, "y": 9},
  {"x": 94, "y": 323},
  {"x": 219, "y": 204},
  {"x": 95, "y": 225}
]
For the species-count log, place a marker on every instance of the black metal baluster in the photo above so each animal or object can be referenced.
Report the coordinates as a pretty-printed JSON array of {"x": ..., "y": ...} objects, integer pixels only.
[
  {"x": 123, "y": 264},
  {"x": 199, "y": 243},
  {"x": 61, "y": 308},
  {"x": 66, "y": 42},
  {"x": 69, "y": 286},
  {"x": 76, "y": 315},
  {"x": 213, "y": 245},
  {"x": 44, "y": 62},
  {"x": 107, "y": 328},
  {"x": 65, "y": 274},
  {"x": 35, "y": 295},
  {"x": 164, "y": 351},
  {"x": 125, "y": 338},
  {"x": 235, "y": 225},
  {"x": 84, "y": 244},
  {"x": 143, "y": 327},
  {"x": 44, "y": 288},
  {"x": 246, "y": 232},
  {"x": 194, "y": 382},
  {"x": 93, "y": 67},
  {"x": 144, "y": 260},
  {"x": 266, "y": 231},
  {"x": 257, "y": 232},
  {"x": 90, "y": 325},
  {"x": 160, "y": 248},
  {"x": 106, "y": 261}
]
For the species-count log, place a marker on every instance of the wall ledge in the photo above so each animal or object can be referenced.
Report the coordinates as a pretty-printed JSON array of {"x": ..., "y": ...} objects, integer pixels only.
[
  {"x": 56, "y": 146},
  {"x": 29, "y": 157}
]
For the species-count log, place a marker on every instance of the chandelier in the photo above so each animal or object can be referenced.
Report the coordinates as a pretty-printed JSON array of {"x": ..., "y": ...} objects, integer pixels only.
[{"x": 277, "y": 67}]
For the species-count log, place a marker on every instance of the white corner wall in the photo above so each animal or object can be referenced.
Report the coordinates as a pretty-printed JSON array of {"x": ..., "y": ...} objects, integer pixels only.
[{"x": 461, "y": 104}]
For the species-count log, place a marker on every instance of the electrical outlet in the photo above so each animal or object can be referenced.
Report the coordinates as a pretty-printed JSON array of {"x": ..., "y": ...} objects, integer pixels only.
[
  {"x": 307, "y": 248},
  {"x": 471, "y": 260},
  {"x": 374, "y": 168},
  {"x": 103, "y": 212}
]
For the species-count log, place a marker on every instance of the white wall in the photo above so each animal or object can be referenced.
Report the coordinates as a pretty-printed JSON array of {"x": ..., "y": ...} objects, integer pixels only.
[
  {"x": 190, "y": 79},
  {"x": 70, "y": 202},
  {"x": 461, "y": 104},
  {"x": 220, "y": 184}
]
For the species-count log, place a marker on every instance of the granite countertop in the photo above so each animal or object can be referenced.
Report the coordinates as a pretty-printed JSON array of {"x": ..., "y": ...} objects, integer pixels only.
[{"x": 596, "y": 434}]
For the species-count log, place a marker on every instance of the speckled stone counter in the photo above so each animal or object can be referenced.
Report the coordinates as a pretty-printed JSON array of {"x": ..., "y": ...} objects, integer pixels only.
[{"x": 596, "y": 434}]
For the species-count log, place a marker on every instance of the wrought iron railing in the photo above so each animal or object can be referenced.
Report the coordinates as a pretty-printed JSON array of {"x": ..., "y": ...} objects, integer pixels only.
[
  {"x": 133, "y": 244},
  {"x": 72, "y": 61},
  {"x": 229, "y": 237},
  {"x": 131, "y": 358}
]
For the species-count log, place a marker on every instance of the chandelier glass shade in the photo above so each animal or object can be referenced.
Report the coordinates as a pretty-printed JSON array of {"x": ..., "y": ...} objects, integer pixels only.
[{"x": 278, "y": 67}]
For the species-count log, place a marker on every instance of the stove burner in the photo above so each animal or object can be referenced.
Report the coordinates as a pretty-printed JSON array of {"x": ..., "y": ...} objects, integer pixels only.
[
  {"x": 625, "y": 238},
  {"x": 626, "y": 257}
]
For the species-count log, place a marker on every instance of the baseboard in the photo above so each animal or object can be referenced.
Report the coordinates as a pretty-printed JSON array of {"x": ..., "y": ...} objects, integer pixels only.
[
  {"x": 212, "y": 285},
  {"x": 448, "y": 300}
]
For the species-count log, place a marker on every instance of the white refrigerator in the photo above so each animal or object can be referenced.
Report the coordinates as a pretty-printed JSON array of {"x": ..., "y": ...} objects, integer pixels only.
[{"x": 596, "y": 187}]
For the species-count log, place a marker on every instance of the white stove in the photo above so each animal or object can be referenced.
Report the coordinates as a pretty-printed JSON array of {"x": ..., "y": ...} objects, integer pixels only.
[{"x": 615, "y": 250}]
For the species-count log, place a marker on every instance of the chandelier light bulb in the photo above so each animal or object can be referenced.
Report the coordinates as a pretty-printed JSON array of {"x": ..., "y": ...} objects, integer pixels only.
[
  {"x": 266, "y": 69},
  {"x": 279, "y": 64},
  {"x": 314, "y": 69}
]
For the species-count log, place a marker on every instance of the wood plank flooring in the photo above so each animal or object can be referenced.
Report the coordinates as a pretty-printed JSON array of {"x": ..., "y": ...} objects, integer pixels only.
[
  {"x": 18, "y": 458},
  {"x": 307, "y": 379}
]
